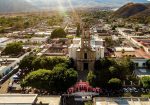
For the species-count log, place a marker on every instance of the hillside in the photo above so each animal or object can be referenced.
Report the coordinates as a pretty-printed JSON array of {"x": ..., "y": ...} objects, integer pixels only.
[
  {"x": 130, "y": 9},
  {"x": 141, "y": 17}
]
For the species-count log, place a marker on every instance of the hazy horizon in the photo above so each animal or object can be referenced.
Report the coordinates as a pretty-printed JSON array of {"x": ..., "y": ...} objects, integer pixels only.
[{"x": 37, "y": 5}]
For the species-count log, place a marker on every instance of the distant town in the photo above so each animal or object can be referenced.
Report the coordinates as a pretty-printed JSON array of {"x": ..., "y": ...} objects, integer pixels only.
[{"x": 80, "y": 57}]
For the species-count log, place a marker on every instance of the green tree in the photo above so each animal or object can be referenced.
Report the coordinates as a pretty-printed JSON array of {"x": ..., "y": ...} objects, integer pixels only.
[
  {"x": 97, "y": 65},
  {"x": 38, "y": 79},
  {"x": 114, "y": 71},
  {"x": 71, "y": 63},
  {"x": 14, "y": 48},
  {"x": 146, "y": 81},
  {"x": 32, "y": 62},
  {"x": 91, "y": 78},
  {"x": 114, "y": 83},
  {"x": 58, "y": 33},
  {"x": 59, "y": 79},
  {"x": 26, "y": 62},
  {"x": 124, "y": 67},
  {"x": 36, "y": 63}
]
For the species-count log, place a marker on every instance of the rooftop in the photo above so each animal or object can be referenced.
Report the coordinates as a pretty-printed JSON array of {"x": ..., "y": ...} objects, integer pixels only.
[
  {"x": 17, "y": 98},
  {"x": 138, "y": 53},
  {"x": 3, "y": 39},
  {"x": 122, "y": 101},
  {"x": 51, "y": 100},
  {"x": 119, "y": 49},
  {"x": 142, "y": 72}
]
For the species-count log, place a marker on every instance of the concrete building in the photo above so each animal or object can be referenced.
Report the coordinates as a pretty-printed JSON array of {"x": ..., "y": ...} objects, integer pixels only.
[
  {"x": 121, "y": 101},
  {"x": 138, "y": 56},
  {"x": 86, "y": 50},
  {"x": 3, "y": 41},
  {"x": 18, "y": 99},
  {"x": 39, "y": 39}
]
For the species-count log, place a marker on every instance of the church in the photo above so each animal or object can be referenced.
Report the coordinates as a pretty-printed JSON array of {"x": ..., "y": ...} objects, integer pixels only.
[{"x": 86, "y": 50}]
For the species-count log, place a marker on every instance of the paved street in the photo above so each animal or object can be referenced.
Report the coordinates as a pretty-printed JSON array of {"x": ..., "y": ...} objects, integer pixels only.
[{"x": 4, "y": 87}]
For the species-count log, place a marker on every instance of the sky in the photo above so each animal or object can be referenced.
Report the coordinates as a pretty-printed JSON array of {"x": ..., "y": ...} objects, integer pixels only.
[
  {"x": 80, "y": 3},
  {"x": 27, "y": 5},
  {"x": 83, "y": 1}
]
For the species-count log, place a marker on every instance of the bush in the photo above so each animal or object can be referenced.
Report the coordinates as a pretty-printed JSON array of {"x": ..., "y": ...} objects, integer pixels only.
[
  {"x": 58, "y": 33},
  {"x": 146, "y": 81},
  {"x": 114, "y": 83}
]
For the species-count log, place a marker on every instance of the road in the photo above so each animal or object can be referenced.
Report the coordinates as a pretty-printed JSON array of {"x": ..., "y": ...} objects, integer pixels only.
[
  {"x": 4, "y": 82},
  {"x": 4, "y": 87}
]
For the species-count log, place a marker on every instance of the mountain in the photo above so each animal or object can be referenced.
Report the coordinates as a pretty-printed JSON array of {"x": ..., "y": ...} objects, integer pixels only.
[
  {"x": 143, "y": 17},
  {"x": 134, "y": 12},
  {"x": 130, "y": 9},
  {"x": 34, "y": 5}
]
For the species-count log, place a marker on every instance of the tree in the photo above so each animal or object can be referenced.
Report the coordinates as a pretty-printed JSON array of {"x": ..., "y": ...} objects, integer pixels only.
[
  {"x": 58, "y": 33},
  {"x": 146, "y": 81},
  {"x": 114, "y": 83},
  {"x": 97, "y": 65},
  {"x": 114, "y": 71},
  {"x": 148, "y": 63},
  {"x": 32, "y": 62},
  {"x": 36, "y": 63},
  {"x": 71, "y": 63},
  {"x": 91, "y": 78},
  {"x": 107, "y": 68},
  {"x": 124, "y": 67},
  {"x": 26, "y": 62},
  {"x": 59, "y": 79},
  {"x": 14, "y": 48},
  {"x": 38, "y": 79}
]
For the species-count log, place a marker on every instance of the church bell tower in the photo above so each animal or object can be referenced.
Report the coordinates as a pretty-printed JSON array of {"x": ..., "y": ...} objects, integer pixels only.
[{"x": 85, "y": 54}]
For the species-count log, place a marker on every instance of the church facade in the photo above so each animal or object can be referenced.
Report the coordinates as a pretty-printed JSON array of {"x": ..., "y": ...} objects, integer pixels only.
[{"x": 86, "y": 50}]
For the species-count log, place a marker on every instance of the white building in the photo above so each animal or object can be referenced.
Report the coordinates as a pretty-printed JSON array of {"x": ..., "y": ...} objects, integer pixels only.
[
  {"x": 39, "y": 39},
  {"x": 96, "y": 44},
  {"x": 47, "y": 33},
  {"x": 3, "y": 41},
  {"x": 18, "y": 99}
]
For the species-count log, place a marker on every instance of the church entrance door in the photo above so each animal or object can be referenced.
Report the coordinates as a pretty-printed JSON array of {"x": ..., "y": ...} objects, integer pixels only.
[{"x": 86, "y": 66}]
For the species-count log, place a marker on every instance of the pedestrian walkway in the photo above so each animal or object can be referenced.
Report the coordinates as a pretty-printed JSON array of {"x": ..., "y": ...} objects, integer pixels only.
[{"x": 82, "y": 75}]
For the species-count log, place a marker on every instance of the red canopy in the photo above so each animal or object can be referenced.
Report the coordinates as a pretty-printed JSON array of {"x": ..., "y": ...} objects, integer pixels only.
[{"x": 83, "y": 87}]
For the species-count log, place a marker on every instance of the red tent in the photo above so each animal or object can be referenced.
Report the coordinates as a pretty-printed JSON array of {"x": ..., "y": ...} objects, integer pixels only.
[{"x": 83, "y": 87}]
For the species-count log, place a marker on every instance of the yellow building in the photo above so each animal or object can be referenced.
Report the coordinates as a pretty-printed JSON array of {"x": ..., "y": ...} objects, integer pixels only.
[{"x": 86, "y": 50}]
